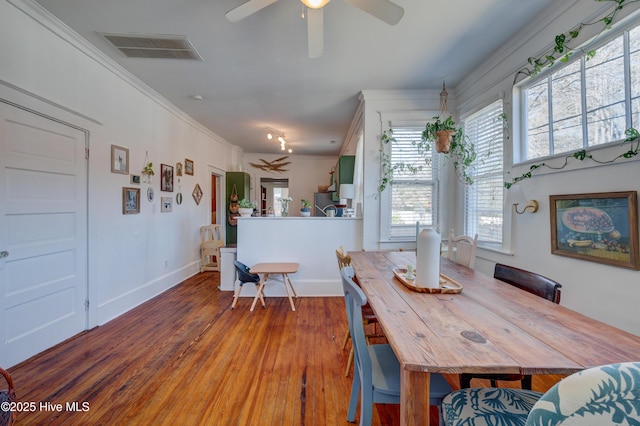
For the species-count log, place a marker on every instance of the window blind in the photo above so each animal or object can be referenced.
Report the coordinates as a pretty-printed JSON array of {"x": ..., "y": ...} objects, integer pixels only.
[
  {"x": 484, "y": 199},
  {"x": 413, "y": 195}
]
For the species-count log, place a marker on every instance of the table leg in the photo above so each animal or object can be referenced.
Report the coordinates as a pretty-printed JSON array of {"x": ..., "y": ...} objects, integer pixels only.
[
  {"x": 291, "y": 285},
  {"x": 259, "y": 295},
  {"x": 284, "y": 281},
  {"x": 414, "y": 397}
]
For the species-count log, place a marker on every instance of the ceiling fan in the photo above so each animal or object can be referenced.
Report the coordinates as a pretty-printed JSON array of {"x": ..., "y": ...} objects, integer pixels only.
[{"x": 384, "y": 10}]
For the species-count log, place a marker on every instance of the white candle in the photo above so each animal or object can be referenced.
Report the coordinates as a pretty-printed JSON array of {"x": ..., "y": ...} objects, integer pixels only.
[{"x": 428, "y": 259}]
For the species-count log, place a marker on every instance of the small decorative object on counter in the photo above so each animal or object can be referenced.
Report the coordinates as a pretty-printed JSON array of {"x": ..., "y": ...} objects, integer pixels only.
[
  {"x": 284, "y": 203},
  {"x": 305, "y": 210},
  {"x": 245, "y": 208},
  {"x": 428, "y": 259}
]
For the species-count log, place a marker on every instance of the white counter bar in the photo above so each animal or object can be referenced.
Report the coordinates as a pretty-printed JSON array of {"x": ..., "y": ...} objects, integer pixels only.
[{"x": 309, "y": 241}]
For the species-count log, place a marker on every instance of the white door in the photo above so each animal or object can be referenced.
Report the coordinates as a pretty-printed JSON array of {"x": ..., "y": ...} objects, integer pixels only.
[{"x": 43, "y": 233}]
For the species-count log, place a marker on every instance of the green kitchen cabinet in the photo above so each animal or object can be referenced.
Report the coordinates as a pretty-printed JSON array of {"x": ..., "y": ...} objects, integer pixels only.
[
  {"x": 242, "y": 184},
  {"x": 343, "y": 173}
]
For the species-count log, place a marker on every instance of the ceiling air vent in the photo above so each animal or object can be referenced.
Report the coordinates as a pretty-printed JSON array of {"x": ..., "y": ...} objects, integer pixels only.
[{"x": 152, "y": 46}]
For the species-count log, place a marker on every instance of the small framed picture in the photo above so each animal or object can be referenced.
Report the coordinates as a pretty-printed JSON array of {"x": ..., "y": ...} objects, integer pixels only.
[
  {"x": 188, "y": 167},
  {"x": 135, "y": 179},
  {"x": 167, "y": 204},
  {"x": 178, "y": 169},
  {"x": 197, "y": 194},
  {"x": 119, "y": 160},
  {"x": 599, "y": 227},
  {"x": 166, "y": 176},
  {"x": 130, "y": 200},
  {"x": 150, "y": 194},
  {"x": 179, "y": 198}
]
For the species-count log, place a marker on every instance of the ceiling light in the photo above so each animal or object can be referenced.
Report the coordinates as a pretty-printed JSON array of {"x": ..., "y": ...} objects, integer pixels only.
[
  {"x": 279, "y": 136},
  {"x": 315, "y": 4}
]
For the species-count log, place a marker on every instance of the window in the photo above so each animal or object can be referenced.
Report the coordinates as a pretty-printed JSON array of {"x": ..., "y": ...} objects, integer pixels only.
[
  {"x": 484, "y": 199},
  {"x": 585, "y": 103},
  {"x": 413, "y": 197}
]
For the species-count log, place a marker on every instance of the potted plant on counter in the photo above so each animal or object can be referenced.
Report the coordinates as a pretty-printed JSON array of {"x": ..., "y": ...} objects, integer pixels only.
[
  {"x": 245, "y": 207},
  {"x": 305, "y": 210}
]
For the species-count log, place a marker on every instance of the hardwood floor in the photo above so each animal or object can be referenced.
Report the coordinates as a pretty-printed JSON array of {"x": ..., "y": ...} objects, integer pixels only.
[{"x": 185, "y": 358}]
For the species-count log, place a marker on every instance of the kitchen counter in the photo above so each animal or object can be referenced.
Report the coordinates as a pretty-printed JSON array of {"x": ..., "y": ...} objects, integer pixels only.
[{"x": 309, "y": 241}]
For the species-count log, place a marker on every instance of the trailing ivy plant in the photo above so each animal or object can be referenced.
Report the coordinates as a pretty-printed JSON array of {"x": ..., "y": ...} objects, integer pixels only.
[
  {"x": 462, "y": 155},
  {"x": 389, "y": 168},
  {"x": 633, "y": 138},
  {"x": 563, "y": 48}
]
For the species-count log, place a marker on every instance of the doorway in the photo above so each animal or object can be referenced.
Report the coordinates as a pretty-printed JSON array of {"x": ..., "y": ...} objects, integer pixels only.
[
  {"x": 271, "y": 192},
  {"x": 217, "y": 205},
  {"x": 214, "y": 199}
]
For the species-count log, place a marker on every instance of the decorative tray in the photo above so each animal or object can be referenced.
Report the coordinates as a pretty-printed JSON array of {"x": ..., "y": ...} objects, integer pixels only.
[{"x": 447, "y": 285}]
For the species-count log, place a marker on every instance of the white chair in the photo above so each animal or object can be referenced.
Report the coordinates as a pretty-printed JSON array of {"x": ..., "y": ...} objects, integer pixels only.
[
  {"x": 603, "y": 395},
  {"x": 462, "y": 249},
  {"x": 210, "y": 243}
]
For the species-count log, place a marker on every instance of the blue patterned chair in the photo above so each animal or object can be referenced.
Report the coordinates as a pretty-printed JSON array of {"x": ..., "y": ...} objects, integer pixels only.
[{"x": 599, "y": 396}]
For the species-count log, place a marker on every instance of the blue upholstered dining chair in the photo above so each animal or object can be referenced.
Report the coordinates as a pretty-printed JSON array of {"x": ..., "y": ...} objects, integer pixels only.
[
  {"x": 598, "y": 396},
  {"x": 376, "y": 375}
]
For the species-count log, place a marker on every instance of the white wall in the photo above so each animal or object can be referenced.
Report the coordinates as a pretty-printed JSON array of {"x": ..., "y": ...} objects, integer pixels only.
[
  {"x": 134, "y": 257},
  {"x": 607, "y": 293},
  {"x": 305, "y": 173}
]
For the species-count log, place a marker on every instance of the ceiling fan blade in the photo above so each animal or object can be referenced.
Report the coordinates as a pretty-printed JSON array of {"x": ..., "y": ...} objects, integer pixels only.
[
  {"x": 246, "y": 9},
  {"x": 315, "y": 32},
  {"x": 384, "y": 10}
]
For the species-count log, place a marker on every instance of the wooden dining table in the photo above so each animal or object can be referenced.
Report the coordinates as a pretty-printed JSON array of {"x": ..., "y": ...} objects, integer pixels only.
[{"x": 489, "y": 327}]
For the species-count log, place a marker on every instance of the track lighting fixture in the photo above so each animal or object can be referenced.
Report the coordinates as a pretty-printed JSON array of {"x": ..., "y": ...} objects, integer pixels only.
[{"x": 279, "y": 136}]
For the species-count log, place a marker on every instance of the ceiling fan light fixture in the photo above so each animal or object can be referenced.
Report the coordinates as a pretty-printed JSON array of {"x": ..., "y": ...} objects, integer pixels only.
[{"x": 315, "y": 4}]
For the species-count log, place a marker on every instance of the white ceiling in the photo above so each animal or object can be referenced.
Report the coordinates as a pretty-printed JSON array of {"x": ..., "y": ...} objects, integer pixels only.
[{"x": 256, "y": 73}]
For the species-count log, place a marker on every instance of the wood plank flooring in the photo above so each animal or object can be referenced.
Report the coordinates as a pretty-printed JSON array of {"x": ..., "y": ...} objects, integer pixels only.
[{"x": 185, "y": 358}]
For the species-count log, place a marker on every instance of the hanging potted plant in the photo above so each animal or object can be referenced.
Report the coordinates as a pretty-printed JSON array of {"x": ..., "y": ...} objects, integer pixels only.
[
  {"x": 461, "y": 153},
  {"x": 305, "y": 210},
  {"x": 441, "y": 132},
  {"x": 147, "y": 170}
]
